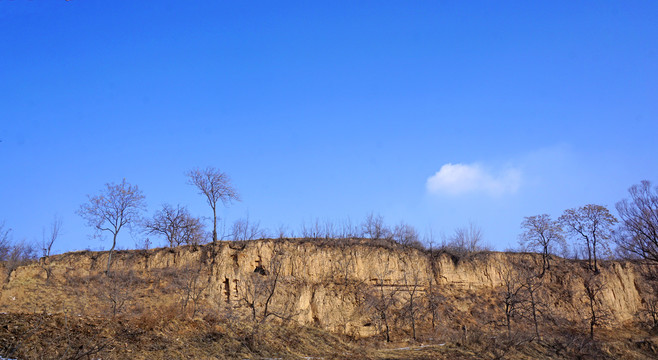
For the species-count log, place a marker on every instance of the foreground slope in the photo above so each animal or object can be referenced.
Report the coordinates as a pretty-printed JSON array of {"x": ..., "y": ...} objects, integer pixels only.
[{"x": 249, "y": 294}]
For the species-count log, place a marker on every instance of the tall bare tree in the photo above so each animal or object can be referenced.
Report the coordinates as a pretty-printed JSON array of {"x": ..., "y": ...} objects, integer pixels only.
[
  {"x": 593, "y": 225},
  {"x": 542, "y": 233},
  {"x": 176, "y": 225},
  {"x": 48, "y": 239},
  {"x": 117, "y": 205},
  {"x": 216, "y": 187},
  {"x": 639, "y": 222}
]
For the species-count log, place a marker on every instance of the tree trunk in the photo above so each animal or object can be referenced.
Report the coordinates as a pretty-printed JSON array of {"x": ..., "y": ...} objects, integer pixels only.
[
  {"x": 534, "y": 313},
  {"x": 591, "y": 329},
  {"x": 589, "y": 254},
  {"x": 413, "y": 320},
  {"x": 509, "y": 326},
  {"x": 596, "y": 269},
  {"x": 592, "y": 321},
  {"x": 214, "y": 225},
  {"x": 109, "y": 258},
  {"x": 388, "y": 335}
]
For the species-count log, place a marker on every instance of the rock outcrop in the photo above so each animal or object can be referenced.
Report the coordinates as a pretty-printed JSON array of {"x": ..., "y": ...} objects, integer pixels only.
[{"x": 343, "y": 286}]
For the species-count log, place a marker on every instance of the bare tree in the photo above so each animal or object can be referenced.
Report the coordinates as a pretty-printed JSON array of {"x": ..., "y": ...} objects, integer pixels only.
[
  {"x": 348, "y": 230},
  {"x": 648, "y": 313},
  {"x": 382, "y": 299},
  {"x": 262, "y": 288},
  {"x": 192, "y": 285},
  {"x": 433, "y": 294},
  {"x": 215, "y": 186},
  {"x": 593, "y": 225},
  {"x": 466, "y": 239},
  {"x": 244, "y": 229},
  {"x": 639, "y": 222},
  {"x": 596, "y": 314},
  {"x": 533, "y": 305},
  {"x": 176, "y": 225},
  {"x": 541, "y": 233},
  {"x": 5, "y": 241},
  {"x": 47, "y": 241},
  {"x": 511, "y": 295},
  {"x": 411, "y": 289},
  {"x": 118, "y": 205},
  {"x": 406, "y": 234},
  {"x": 317, "y": 230},
  {"x": 374, "y": 228},
  {"x": 117, "y": 291},
  {"x": 14, "y": 253}
]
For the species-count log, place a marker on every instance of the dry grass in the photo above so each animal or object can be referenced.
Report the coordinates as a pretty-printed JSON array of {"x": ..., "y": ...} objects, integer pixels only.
[
  {"x": 147, "y": 311},
  {"x": 166, "y": 335}
]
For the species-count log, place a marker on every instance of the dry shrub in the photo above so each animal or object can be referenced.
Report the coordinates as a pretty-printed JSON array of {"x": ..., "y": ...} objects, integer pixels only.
[{"x": 150, "y": 320}]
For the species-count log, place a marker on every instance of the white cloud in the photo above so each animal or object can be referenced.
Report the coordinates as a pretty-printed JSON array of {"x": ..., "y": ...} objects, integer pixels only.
[{"x": 458, "y": 179}]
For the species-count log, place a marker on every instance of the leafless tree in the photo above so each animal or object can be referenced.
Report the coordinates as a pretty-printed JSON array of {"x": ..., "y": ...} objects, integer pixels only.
[
  {"x": 14, "y": 253},
  {"x": 382, "y": 299},
  {"x": 648, "y": 313},
  {"x": 374, "y": 228},
  {"x": 511, "y": 294},
  {"x": 317, "y": 230},
  {"x": 192, "y": 286},
  {"x": 262, "y": 288},
  {"x": 348, "y": 230},
  {"x": 143, "y": 243},
  {"x": 543, "y": 234},
  {"x": 466, "y": 239},
  {"x": 639, "y": 222},
  {"x": 593, "y": 225},
  {"x": 5, "y": 241},
  {"x": 47, "y": 240},
  {"x": 215, "y": 186},
  {"x": 117, "y": 205},
  {"x": 282, "y": 232},
  {"x": 532, "y": 304},
  {"x": 406, "y": 234},
  {"x": 176, "y": 225},
  {"x": 244, "y": 229},
  {"x": 116, "y": 291},
  {"x": 433, "y": 294},
  {"x": 596, "y": 313},
  {"x": 412, "y": 287}
]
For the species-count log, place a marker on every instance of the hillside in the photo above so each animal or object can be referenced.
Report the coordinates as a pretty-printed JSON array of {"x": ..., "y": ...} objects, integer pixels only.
[{"x": 328, "y": 298}]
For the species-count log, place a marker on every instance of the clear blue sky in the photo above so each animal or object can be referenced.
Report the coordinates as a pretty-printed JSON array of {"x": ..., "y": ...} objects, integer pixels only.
[{"x": 435, "y": 113}]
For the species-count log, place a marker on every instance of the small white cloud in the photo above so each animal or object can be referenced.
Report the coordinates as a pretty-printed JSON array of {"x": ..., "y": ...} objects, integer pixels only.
[{"x": 458, "y": 179}]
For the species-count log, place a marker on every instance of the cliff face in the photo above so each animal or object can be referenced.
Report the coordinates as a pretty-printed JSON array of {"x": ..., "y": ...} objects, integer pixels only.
[{"x": 355, "y": 288}]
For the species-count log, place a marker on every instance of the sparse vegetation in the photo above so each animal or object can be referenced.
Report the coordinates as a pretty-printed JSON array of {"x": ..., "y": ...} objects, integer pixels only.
[
  {"x": 376, "y": 285},
  {"x": 216, "y": 187},
  {"x": 117, "y": 206}
]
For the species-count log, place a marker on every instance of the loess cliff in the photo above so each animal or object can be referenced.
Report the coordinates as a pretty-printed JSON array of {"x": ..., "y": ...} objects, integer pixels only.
[{"x": 355, "y": 287}]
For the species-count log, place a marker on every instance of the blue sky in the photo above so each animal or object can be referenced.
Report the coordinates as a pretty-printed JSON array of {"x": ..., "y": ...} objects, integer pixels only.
[{"x": 434, "y": 113}]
